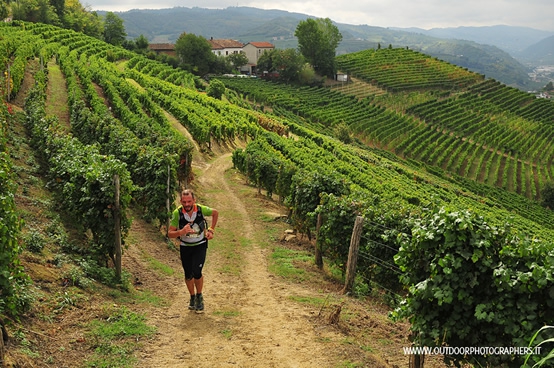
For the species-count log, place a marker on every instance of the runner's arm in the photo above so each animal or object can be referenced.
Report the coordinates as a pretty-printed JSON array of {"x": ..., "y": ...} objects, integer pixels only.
[{"x": 215, "y": 216}]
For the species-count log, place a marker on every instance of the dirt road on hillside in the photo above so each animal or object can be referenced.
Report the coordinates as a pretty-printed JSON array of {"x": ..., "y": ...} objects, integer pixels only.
[{"x": 249, "y": 319}]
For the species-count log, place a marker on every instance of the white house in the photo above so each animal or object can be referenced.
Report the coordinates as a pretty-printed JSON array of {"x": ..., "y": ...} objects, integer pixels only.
[
  {"x": 224, "y": 47},
  {"x": 253, "y": 51}
]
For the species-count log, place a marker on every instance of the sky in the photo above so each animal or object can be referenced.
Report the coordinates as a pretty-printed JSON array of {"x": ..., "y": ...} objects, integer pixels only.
[{"x": 426, "y": 14}]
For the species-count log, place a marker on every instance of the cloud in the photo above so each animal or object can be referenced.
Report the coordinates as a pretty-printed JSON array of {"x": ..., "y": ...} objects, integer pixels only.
[{"x": 382, "y": 13}]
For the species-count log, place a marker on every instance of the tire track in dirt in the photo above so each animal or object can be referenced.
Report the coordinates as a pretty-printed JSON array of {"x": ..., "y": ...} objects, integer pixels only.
[{"x": 266, "y": 328}]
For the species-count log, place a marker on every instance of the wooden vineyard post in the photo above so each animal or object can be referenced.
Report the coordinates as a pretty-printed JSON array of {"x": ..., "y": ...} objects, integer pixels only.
[
  {"x": 186, "y": 177},
  {"x": 416, "y": 361},
  {"x": 167, "y": 203},
  {"x": 117, "y": 220},
  {"x": 353, "y": 254},
  {"x": 2, "y": 345},
  {"x": 318, "y": 255},
  {"x": 8, "y": 83}
]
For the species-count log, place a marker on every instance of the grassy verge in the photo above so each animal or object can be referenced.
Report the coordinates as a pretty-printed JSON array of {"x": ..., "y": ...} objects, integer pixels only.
[{"x": 115, "y": 336}]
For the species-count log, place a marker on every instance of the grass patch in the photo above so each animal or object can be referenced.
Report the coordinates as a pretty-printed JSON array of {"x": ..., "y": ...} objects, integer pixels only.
[
  {"x": 283, "y": 262},
  {"x": 230, "y": 269},
  {"x": 274, "y": 231},
  {"x": 316, "y": 302},
  {"x": 385, "y": 342},
  {"x": 231, "y": 249},
  {"x": 349, "y": 340},
  {"x": 121, "y": 64},
  {"x": 367, "y": 348},
  {"x": 108, "y": 354},
  {"x": 227, "y": 313},
  {"x": 133, "y": 82},
  {"x": 57, "y": 94},
  {"x": 157, "y": 265},
  {"x": 227, "y": 333},
  {"x": 116, "y": 337},
  {"x": 349, "y": 364},
  {"x": 146, "y": 297},
  {"x": 121, "y": 323}
]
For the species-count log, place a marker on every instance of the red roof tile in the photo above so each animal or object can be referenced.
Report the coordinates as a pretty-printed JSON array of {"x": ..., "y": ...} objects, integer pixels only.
[
  {"x": 225, "y": 44},
  {"x": 262, "y": 45}
]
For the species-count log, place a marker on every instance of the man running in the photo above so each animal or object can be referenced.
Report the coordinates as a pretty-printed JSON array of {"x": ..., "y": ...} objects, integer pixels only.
[{"x": 189, "y": 225}]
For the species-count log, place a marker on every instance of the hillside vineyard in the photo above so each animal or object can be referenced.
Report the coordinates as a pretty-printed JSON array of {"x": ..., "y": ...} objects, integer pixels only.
[{"x": 432, "y": 146}]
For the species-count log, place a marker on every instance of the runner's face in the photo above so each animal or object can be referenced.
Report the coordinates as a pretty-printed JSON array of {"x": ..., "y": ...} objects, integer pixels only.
[{"x": 188, "y": 202}]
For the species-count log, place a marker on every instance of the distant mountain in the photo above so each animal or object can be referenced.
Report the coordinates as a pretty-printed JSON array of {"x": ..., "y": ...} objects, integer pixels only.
[
  {"x": 510, "y": 39},
  {"x": 281, "y": 28},
  {"x": 541, "y": 52},
  {"x": 166, "y": 25},
  {"x": 248, "y": 24}
]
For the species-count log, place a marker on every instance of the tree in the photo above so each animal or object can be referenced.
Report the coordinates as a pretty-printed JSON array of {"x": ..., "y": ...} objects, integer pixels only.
[
  {"x": 216, "y": 89},
  {"x": 238, "y": 60},
  {"x": 69, "y": 14},
  {"x": 265, "y": 62},
  {"x": 288, "y": 63},
  {"x": 3, "y": 11},
  {"x": 220, "y": 65},
  {"x": 81, "y": 19},
  {"x": 47, "y": 13},
  {"x": 59, "y": 7},
  {"x": 141, "y": 43},
  {"x": 138, "y": 45},
  {"x": 37, "y": 11},
  {"x": 194, "y": 53},
  {"x": 549, "y": 86},
  {"x": 114, "y": 31},
  {"x": 317, "y": 41},
  {"x": 307, "y": 76}
]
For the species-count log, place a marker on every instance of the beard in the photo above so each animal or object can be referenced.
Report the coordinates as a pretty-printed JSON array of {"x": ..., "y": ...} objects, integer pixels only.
[{"x": 188, "y": 208}]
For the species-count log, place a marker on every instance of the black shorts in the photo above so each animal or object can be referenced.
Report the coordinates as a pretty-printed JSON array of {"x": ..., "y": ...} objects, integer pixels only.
[{"x": 192, "y": 259}]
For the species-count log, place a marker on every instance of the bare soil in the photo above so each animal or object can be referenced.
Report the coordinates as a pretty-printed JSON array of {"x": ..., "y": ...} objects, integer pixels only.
[{"x": 249, "y": 319}]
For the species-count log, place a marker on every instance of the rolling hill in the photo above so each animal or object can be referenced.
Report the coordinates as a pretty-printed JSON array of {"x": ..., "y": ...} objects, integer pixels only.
[
  {"x": 485, "y": 50},
  {"x": 541, "y": 53},
  {"x": 508, "y": 38}
]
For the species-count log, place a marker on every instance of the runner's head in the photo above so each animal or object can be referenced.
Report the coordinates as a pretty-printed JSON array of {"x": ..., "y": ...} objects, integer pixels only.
[{"x": 188, "y": 199}]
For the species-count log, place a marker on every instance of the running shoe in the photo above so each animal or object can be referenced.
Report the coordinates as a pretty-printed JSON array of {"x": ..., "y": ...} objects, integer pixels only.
[
  {"x": 192, "y": 303},
  {"x": 199, "y": 303}
]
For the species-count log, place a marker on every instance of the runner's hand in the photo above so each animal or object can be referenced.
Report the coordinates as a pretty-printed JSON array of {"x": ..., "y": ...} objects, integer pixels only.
[{"x": 187, "y": 229}]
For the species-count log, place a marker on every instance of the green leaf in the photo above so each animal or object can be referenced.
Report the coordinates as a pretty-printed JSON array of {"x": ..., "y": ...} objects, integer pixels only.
[{"x": 477, "y": 254}]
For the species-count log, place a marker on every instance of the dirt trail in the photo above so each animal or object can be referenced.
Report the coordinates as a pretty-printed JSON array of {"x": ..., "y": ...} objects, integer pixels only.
[{"x": 249, "y": 320}]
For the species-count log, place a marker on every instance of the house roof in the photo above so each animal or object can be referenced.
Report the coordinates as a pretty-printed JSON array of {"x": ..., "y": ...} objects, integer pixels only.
[
  {"x": 225, "y": 44},
  {"x": 262, "y": 45}
]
